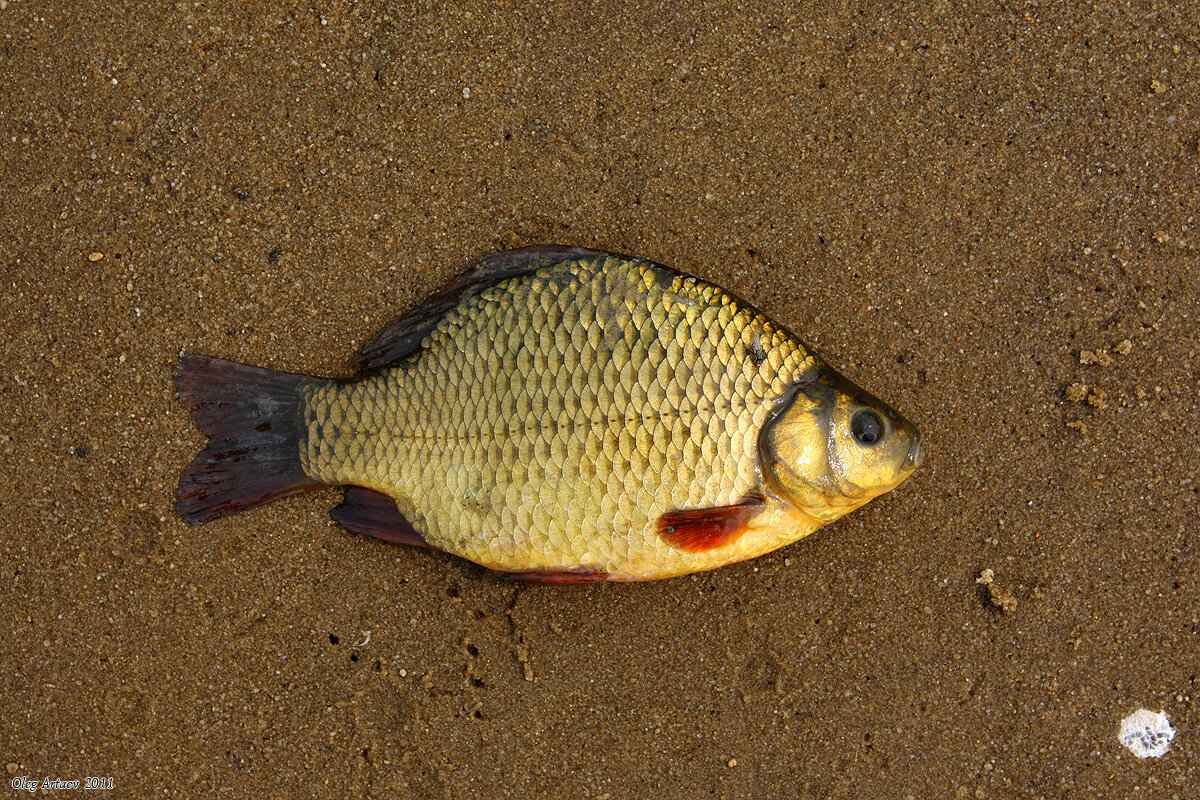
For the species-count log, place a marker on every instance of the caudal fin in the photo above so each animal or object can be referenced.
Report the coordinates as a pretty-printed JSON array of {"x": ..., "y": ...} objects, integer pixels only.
[{"x": 253, "y": 421}]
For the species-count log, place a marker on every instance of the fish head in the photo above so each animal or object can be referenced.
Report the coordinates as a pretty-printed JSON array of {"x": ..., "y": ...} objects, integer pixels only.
[{"x": 829, "y": 447}]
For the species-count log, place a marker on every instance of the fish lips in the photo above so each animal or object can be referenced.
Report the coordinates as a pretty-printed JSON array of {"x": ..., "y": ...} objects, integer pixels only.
[{"x": 916, "y": 453}]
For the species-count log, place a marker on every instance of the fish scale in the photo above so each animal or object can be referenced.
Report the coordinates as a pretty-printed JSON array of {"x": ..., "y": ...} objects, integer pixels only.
[{"x": 552, "y": 398}]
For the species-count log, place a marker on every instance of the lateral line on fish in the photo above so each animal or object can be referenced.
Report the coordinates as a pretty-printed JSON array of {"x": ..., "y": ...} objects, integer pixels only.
[{"x": 570, "y": 424}]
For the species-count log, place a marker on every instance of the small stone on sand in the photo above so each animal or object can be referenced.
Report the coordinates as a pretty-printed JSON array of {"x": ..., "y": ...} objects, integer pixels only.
[
  {"x": 1076, "y": 392},
  {"x": 1147, "y": 734},
  {"x": 1000, "y": 597}
]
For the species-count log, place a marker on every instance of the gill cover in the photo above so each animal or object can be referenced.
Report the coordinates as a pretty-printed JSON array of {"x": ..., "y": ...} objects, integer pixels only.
[{"x": 830, "y": 447}]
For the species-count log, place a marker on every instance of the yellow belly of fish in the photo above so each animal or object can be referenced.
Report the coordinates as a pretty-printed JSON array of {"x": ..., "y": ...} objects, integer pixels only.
[{"x": 550, "y": 423}]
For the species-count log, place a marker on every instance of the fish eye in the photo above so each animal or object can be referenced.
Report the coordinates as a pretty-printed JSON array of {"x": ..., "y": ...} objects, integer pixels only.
[{"x": 866, "y": 426}]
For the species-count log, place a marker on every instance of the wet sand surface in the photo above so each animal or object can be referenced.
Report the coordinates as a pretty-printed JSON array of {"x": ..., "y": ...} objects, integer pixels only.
[{"x": 984, "y": 216}]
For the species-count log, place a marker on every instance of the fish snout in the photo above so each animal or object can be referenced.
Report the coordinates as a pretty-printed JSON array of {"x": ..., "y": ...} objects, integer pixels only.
[{"x": 916, "y": 453}]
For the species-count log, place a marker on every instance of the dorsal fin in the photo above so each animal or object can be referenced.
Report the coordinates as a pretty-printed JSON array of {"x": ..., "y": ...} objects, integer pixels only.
[{"x": 403, "y": 337}]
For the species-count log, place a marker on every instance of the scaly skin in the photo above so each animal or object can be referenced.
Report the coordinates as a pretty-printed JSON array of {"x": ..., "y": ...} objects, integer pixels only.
[{"x": 549, "y": 421}]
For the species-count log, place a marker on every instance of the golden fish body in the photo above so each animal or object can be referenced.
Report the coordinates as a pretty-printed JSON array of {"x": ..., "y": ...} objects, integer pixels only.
[
  {"x": 552, "y": 420},
  {"x": 590, "y": 416}
]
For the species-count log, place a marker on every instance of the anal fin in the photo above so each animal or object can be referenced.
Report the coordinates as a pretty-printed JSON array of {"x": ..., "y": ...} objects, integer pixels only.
[
  {"x": 373, "y": 513},
  {"x": 699, "y": 530}
]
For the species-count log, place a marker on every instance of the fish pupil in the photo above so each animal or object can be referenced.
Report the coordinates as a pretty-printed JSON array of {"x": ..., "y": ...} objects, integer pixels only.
[{"x": 866, "y": 427}]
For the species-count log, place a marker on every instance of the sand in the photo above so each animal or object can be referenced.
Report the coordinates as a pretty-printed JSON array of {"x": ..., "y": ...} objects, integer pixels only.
[{"x": 962, "y": 209}]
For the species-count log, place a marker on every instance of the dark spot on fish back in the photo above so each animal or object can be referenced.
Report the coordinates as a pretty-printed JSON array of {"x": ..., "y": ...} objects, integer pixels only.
[{"x": 757, "y": 352}]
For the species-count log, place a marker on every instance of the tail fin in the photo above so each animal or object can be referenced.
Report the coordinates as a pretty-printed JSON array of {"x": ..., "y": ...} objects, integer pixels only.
[{"x": 253, "y": 421}]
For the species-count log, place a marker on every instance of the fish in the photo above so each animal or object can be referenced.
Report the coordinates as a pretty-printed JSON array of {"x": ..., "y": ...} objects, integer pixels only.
[{"x": 559, "y": 415}]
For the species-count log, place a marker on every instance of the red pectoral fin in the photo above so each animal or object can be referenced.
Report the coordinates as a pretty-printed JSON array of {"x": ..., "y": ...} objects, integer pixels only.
[{"x": 701, "y": 529}]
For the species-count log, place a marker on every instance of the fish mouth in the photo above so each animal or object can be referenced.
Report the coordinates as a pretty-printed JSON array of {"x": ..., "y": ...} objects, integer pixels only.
[{"x": 916, "y": 453}]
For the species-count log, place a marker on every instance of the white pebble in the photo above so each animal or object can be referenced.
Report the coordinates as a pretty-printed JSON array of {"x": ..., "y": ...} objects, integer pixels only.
[{"x": 1146, "y": 734}]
